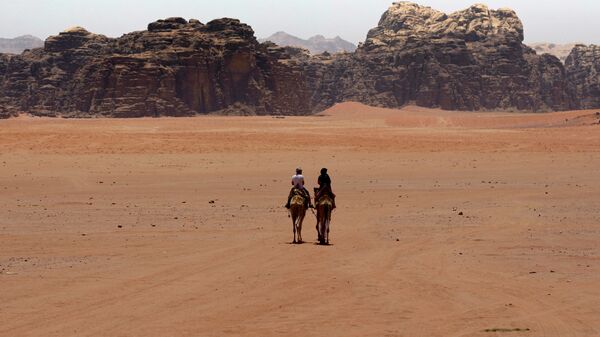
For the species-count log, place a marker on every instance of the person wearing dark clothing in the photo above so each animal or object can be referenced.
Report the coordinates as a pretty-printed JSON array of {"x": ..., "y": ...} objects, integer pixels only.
[{"x": 324, "y": 181}]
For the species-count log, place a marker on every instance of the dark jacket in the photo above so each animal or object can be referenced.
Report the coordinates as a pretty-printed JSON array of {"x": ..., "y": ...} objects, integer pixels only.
[{"x": 324, "y": 180}]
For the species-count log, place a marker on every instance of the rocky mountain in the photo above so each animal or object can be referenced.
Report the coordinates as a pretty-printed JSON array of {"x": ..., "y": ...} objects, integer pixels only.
[
  {"x": 472, "y": 59},
  {"x": 583, "y": 71},
  {"x": 19, "y": 44},
  {"x": 315, "y": 45},
  {"x": 175, "y": 68},
  {"x": 559, "y": 50}
]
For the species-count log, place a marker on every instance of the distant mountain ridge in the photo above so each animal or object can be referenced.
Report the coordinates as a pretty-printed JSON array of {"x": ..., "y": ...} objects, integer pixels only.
[
  {"x": 561, "y": 51},
  {"x": 316, "y": 45},
  {"x": 19, "y": 44}
]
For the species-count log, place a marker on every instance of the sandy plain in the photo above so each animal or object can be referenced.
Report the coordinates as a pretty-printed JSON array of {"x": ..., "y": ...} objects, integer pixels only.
[{"x": 449, "y": 224}]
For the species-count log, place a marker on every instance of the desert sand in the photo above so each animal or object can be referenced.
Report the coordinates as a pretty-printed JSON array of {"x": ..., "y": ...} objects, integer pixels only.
[{"x": 448, "y": 224}]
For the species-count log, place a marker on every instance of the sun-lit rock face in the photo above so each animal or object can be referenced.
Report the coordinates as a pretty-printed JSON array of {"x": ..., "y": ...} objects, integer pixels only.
[
  {"x": 72, "y": 38},
  {"x": 405, "y": 21},
  {"x": 472, "y": 59}
]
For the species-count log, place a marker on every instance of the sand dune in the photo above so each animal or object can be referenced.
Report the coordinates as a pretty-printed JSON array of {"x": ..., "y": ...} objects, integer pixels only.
[{"x": 449, "y": 224}]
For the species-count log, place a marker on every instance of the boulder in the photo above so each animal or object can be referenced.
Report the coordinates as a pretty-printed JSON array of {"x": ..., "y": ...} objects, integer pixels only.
[{"x": 167, "y": 24}]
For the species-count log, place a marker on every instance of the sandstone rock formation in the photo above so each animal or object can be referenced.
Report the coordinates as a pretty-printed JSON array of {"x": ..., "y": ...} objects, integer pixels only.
[
  {"x": 583, "y": 71},
  {"x": 469, "y": 60},
  {"x": 19, "y": 44},
  {"x": 315, "y": 45},
  {"x": 473, "y": 59},
  {"x": 175, "y": 68}
]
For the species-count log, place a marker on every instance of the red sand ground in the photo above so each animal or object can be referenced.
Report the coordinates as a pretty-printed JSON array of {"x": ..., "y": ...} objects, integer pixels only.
[{"x": 106, "y": 226}]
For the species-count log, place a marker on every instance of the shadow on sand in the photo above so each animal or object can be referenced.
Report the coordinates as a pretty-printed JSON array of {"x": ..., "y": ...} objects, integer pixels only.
[{"x": 316, "y": 243}]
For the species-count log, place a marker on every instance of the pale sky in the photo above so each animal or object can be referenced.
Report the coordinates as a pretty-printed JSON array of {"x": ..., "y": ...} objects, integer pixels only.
[{"x": 545, "y": 20}]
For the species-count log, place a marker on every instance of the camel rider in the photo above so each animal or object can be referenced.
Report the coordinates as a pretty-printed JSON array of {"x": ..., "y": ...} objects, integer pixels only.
[
  {"x": 298, "y": 183},
  {"x": 325, "y": 186}
]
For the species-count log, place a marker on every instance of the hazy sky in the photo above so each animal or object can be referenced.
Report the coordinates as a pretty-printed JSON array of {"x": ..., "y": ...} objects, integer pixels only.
[{"x": 544, "y": 20}]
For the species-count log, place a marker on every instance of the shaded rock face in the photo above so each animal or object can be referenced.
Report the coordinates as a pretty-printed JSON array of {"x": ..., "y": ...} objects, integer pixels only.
[
  {"x": 469, "y": 60},
  {"x": 583, "y": 71},
  {"x": 20, "y": 44},
  {"x": 175, "y": 68}
]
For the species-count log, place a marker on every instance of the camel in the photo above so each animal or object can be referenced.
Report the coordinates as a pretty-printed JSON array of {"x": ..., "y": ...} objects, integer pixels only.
[
  {"x": 324, "y": 207},
  {"x": 297, "y": 212}
]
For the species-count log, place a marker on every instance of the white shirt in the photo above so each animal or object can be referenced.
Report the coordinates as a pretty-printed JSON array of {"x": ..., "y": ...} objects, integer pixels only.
[{"x": 298, "y": 181}]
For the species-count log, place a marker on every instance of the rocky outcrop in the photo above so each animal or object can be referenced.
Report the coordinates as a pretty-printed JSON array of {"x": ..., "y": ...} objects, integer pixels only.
[
  {"x": 473, "y": 59},
  {"x": 469, "y": 60},
  {"x": 583, "y": 71},
  {"x": 175, "y": 68},
  {"x": 19, "y": 44},
  {"x": 315, "y": 45}
]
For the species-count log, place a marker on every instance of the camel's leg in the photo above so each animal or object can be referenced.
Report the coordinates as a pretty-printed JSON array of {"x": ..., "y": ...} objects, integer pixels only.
[
  {"x": 328, "y": 225},
  {"x": 299, "y": 223},
  {"x": 319, "y": 233},
  {"x": 327, "y": 229},
  {"x": 323, "y": 225},
  {"x": 294, "y": 227},
  {"x": 302, "y": 224},
  {"x": 317, "y": 227}
]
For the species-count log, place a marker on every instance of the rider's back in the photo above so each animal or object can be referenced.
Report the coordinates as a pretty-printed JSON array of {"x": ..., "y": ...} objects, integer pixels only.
[{"x": 298, "y": 181}]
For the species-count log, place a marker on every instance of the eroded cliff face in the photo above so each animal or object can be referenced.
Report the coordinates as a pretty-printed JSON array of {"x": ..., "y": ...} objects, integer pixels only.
[
  {"x": 583, "y": 71},
  {"x": 469, "y": 60},
  {"x": 175, "y": 68},
  {"x": 473, "y": 59}
]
